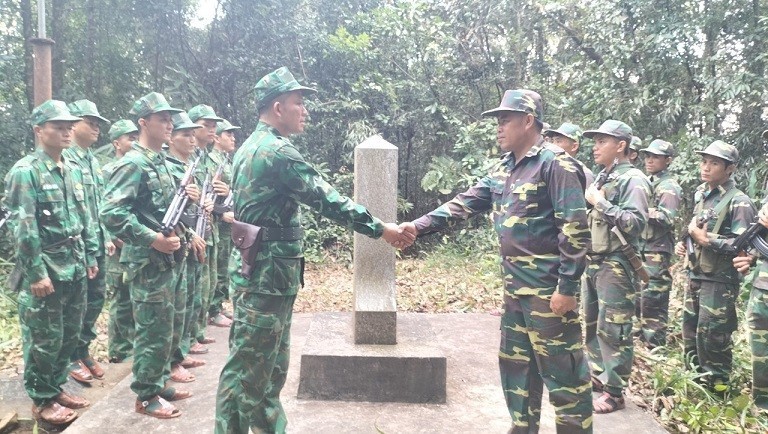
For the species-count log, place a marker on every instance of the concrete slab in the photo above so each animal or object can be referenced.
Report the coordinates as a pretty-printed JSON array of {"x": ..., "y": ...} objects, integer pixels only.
[
  {"x": 333, "y": 367},
  {"x": 475, "y": 403}
]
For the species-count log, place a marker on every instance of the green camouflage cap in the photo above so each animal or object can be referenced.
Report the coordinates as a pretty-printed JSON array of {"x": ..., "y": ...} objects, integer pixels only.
[
  {"x": 83, "y": 108},
  {"x": 660, "y": 147},
  {"x": 202, "y": 111},
  {"x": 720, "y": 149},
  {"x": 152, "y": 103},
  {"x": 182, "y": 121},
  {"x": 567, "y": 129},
  {"x": 612, "y": 128},
  {"x": 225, "y": 126},
  {"x": 52, "y": 110},
  {"x": 123, "y": 126},
  {"x": 635, "y": 144},
  {"x": 275, "y": 84},
  {"x": 519, "y": 100}
]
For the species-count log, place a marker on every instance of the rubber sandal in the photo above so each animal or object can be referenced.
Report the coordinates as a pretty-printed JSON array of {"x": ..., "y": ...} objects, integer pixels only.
[
  {"x": 80, "y": 372},
  {"x": 71, "y": 401},
  {"x": 157, "y": 407},
  {"x": 198, "y": 348},
  {"x": 190, "y": 362},
  {"x": 96, "y": 370},
  {"x": 60, "y": 415},
  {"x": 220, "y": 321},
  {"x": 206, "y": 341},
  {"x": 174, "y": 394},
  {"x": 179, "y": 374},
  {"x": 597, "y": 385},
  {"x": 607, "y": 403}
]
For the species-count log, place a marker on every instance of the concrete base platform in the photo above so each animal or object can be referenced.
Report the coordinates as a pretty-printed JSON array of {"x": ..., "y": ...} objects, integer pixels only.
[
  {"x": 333, "y": 367},
  {"x": 475, "y": 401}
]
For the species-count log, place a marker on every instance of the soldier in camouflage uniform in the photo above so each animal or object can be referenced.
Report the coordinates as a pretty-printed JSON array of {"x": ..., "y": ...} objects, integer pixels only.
[
  {"x": 709, "y": 313},
  {"x": 85, "y": 133},
  {"x": 121, "y": 328},
  {"x": 56, "y": 249},
  {"x": 608, "y": 293},
  {"x": 223, "y": 147},
  {"x": 270, "y": 180},
  {"x": 535, "y": 196},
  {"x": 634, "y": 151},
  {"x": 568, "y": 137},
  {"x": 651, "y": 308},
  {"x": 137, "y": 196}
]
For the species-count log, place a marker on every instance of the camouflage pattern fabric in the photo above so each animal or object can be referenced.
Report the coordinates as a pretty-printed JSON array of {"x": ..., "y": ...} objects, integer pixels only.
[
  {"x": 224, "y": 246},
  {"x": 48, "y": 204},
  {"x": 608, "y": 293},
  {"x": 137, "y": 195},
  {"x": 757, "y": 315},
  {"x": 709, "y": 314},
  {"x": 209, "y": 268},
  {"x": 543, "y": 349},
  {"x": 542, "y": 227},
  {"x": 270, "y": 179},
  {"x": 658, "y": 246}
]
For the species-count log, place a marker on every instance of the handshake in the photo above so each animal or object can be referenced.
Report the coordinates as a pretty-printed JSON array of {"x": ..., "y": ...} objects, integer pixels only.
[{"x": 401, "y": 236}]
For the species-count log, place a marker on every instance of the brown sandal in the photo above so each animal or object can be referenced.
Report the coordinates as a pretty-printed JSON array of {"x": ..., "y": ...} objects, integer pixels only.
[
  {"x": 96, "y": 370},
  {"x": 71, "y": 401},
  {"x": 157, "y": 407},
  {"x": 597, "y": 385},
  {"x": 607, "y": 403},
  {"x": 54, "y": 414},
  {"x": 174, "y": 394},
  {"x": 191, "y": 362},
  {"x": 180, "y": 374}
]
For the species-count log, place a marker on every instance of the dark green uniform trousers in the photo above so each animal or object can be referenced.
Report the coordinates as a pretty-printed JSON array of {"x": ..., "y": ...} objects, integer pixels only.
[
  {"x": 207, "y": 285},
  {"x": 94, "y": 303},
  {"x": 757, "y": 315},
  {"x": 652, "y": 307},
  {"x": 49, "y": 334},
  {"x": 257, "y": 367},
  {"x": 122, "y": 329},
  {"x": 223, "y": 252}
]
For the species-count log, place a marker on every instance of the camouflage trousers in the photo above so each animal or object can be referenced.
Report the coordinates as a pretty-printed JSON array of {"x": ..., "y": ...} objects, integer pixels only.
[
  {"x": 194, "y": 276},
  {"x": 94, "y": 304},
  {"x": 223, "y": 252},
  {"x": 652, "y": 306},
  {"x": 608, "y": 300},
  {"x": 121, "y": 329},
  {"x": 157, "y": 295},
  {"x": 49, "y": 333},
  {"x": 709, "y": 319},
  {"x": 183, "y": 308},
  {"x": 757, "y": 315},
  {"x": 257, "y": 366},
  {"x": 540, "y": 348},
  {"x": 207, "y": 285}
]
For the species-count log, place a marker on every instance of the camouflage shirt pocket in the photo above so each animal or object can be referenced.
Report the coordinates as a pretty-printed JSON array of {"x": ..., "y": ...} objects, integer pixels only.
[
  {"x": 524, "y": 199},
  {"x": 50, "y": 204},
  {"x": 287, "y": 272}
]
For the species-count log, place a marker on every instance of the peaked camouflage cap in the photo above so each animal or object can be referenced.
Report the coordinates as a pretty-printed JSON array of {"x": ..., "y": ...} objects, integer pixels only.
[
  {"x": 567, "y": 129},
  {"x": 635, "y": 143},
  {"x": 275, "y": 84},
  {"x": 519, "y": 100},
  {"x": 202, "y": 111},
  {"x": 225, "y": 126},
  {"x": 660, "y": 147},
  {"x": 123, "y": 126},
  {"x": 612, "y": 128},
  {"x": 182, "y": 121},
  {"x": 84, "y": 107},
  {"x": 723, "y": 150},
  {"x": 152, "y": 103},
  {"x": 52, "y": 110}
]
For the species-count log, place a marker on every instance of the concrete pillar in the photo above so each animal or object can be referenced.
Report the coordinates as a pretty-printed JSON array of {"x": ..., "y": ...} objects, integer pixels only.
[
  {"x": 41, "y": 84},
  {"x": 374, "y": 260}
]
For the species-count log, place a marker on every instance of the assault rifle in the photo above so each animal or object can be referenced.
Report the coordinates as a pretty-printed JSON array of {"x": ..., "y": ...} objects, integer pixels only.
[
  {"x": 701, "y": 220},
  {"x": 4, "y": 214},
  {"x": 202, "y": 216},
  {"x": 179, "y": 202},
  {"x": 753, "y": 236},
  {"x": 604, "y": 175}
]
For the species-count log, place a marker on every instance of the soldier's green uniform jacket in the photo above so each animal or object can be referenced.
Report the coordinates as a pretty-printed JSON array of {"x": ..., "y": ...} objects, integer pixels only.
[
  {"x": 536, "y": 258},
  {"x": 659, "y": 234},
  {"x": 757, "y": 316},
  {"x": 625, "y": 206},
  {"x": 35, "y": 189},
  {"x": 714, "y": 261},
  {"x": 268, "y": 195},
  {"x": 208, "y": 166},
  {"x": 137, "y": 196},
  {"x": 93, "y": 183}
]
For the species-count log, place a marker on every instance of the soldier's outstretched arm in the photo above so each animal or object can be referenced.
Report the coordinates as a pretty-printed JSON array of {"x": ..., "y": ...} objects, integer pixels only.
[{"x": 476, "y": 200}]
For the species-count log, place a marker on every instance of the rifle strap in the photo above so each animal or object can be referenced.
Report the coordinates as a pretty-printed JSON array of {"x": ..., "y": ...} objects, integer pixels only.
[{"x": 722, "y": 208}]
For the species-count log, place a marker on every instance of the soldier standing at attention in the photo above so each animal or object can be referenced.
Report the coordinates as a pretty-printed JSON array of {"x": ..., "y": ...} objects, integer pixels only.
[
  {"x": 223, "y": 147},
  {"x": 136, "y": 199},
  {"x": 652, "y": 307},
  {"x": 709, "y": 312},
  {"x": 86, "y": 132},
  {"x": 270, "y": 180},
  {"x": 121, "y": 329},
  {"x": 568, "y": 138},
  {"x": 535, "y": 194},
  {"x": 634, "y": 151},
  {"x": 56, "y": 249},
  {"x": 619, "y": 199}
]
